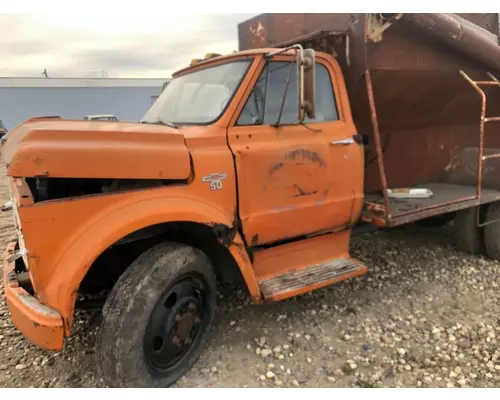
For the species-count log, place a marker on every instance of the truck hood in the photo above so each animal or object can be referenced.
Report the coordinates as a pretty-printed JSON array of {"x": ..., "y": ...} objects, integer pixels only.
[{"x": 88, "y": 149}]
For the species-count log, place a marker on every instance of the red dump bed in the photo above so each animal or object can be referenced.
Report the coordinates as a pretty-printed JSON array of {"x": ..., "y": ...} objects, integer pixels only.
[{"x": 424, "y": 125}]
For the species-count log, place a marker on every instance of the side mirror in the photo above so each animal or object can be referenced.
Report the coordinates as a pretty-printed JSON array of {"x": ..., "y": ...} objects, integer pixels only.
[{"x": 306, "y": 84}]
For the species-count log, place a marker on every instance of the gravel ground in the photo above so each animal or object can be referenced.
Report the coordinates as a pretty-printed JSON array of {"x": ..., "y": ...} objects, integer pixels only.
[{"x": 424, "y": 316}]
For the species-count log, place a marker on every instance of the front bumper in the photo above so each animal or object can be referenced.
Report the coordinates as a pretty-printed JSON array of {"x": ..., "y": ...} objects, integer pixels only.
[{"x": 40, "y": 324}]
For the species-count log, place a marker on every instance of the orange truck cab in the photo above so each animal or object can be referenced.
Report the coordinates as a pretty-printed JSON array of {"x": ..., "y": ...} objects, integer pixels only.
[
  {"x": 248, "y": 168},
  {"x": 218, "y": 178}
]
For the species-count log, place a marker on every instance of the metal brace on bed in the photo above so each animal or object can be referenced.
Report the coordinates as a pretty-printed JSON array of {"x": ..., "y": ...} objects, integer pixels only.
[{"x": 482, "y": 158}]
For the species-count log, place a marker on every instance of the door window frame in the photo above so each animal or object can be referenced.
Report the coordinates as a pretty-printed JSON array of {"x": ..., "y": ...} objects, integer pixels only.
[{"x": 336, "y": 78}]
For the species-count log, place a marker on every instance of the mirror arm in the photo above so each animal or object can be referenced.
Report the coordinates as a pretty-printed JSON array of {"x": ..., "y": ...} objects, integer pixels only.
[{"x": 296, "y": 47}]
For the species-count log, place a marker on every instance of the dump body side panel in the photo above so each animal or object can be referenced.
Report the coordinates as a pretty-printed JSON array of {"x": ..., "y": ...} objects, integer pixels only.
[{"x": 427, "y": 112}]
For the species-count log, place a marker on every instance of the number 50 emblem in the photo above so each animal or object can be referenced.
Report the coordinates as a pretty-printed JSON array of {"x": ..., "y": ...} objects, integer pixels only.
[{"x": 215, "y": 180}]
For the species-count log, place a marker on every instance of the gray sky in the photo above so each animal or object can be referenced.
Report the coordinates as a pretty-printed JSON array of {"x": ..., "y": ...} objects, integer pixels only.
[{"x": 144, "y": 46}]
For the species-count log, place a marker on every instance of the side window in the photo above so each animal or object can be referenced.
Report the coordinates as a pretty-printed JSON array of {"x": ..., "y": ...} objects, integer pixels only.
[
  {"x": 253, "y": 112},
  {"x": 264, "y": 103}
]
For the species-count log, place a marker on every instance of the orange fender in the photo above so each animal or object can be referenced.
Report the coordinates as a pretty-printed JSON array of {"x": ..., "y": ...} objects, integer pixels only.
[{"x": 115, "y": 222}]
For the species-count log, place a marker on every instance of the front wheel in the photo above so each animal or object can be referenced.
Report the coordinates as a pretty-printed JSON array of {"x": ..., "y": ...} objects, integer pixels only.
[{"x": 156, "y": 318}]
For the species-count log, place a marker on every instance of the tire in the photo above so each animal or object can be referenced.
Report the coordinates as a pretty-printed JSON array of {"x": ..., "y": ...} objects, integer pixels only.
[
  {"x": 469, "y": 237},
  {"x": 492, "y": 231},
  {"x": 149, "y": 315}
]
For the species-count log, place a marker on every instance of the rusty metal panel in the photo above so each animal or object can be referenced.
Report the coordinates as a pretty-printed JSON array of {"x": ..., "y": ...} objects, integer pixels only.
[
  {"x": 425, "y": 109},
  {"x": 488, "y": 21},
  {"x": 466, "y": 38},
  {"x": 462, "y": 168},
  {"x": 266, "y": 30},
  {"x": 424, "y": 155}
]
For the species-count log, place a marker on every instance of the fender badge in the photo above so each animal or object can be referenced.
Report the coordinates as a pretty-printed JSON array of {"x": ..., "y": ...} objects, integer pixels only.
[{"x": 215, "y": 180}]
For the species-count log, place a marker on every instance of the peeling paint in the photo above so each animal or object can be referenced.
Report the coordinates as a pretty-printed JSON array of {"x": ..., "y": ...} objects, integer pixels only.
[
  {"x": 307, "y": 155},
  {"x": 275, "y": 167},
  {"x": 224, "y": 233},
  {"x": 302, "y": 192}
]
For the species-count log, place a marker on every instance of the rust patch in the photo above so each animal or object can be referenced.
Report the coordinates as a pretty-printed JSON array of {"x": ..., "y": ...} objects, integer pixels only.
[
  {"x": 297, "y": 281},
  {"x": 224, "y": 233},
  {"x": 307, "y": 155},
  {"x": 242, "y": 251},
  {"x": 375, "y": 208},
  {"x": 301, "y": 192}
]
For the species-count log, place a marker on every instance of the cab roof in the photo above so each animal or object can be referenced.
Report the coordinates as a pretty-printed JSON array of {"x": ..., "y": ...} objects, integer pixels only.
[{"x": 250, "y": 53}]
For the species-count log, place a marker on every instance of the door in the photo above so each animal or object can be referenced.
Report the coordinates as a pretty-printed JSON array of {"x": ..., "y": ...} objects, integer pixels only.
[{"x": 293, "y": 180}]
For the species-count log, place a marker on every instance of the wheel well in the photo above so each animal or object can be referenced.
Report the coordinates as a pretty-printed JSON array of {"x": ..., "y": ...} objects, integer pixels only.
[{"x": 109, "y": 266}]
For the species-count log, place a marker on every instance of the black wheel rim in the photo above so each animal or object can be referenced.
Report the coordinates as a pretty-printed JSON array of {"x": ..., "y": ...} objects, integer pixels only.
[{"x": 175, "y": 326}]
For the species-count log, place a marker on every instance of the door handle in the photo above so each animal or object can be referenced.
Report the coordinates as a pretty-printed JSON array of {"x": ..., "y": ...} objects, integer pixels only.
[{"x": 343, "y": 142}]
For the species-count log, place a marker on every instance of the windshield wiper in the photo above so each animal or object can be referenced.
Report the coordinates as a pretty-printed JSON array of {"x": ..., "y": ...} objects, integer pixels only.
[{"x": 159, "y": 121}]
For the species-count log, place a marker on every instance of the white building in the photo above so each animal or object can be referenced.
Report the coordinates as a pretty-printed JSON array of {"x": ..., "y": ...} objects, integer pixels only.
[{"x": 128, "y": 99}]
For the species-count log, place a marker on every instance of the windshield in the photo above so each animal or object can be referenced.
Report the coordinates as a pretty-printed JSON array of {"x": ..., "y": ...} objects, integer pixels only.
[{"x": 198, "y": 97}]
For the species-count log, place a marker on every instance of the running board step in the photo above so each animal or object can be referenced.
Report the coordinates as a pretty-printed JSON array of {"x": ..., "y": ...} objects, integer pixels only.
[{"x": 304, "y": 280}]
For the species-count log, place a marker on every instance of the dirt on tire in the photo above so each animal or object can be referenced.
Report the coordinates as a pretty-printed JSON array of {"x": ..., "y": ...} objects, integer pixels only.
[{"x": 128, "y": 307}]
